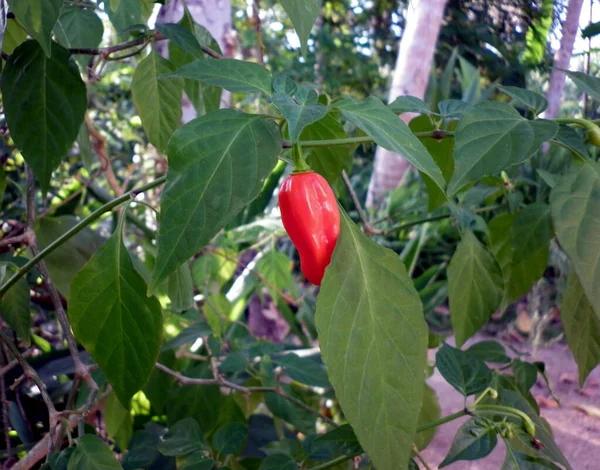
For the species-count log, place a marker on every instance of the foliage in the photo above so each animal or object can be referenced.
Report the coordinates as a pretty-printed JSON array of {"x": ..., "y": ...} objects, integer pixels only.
[{"x": 177, "y": 307}]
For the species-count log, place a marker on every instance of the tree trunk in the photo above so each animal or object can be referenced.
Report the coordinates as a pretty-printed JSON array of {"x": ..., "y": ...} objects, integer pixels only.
[
  {"x": 215, "y": 16},
  {"x": 411, "y": 75},
  {"x": 562, "y": 58}
]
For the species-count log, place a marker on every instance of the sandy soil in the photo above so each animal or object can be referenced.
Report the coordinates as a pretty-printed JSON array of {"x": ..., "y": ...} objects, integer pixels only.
[{"x": 577, "y": 433}]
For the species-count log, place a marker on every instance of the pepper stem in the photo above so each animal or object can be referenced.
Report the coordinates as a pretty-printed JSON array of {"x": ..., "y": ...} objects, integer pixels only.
[{"x": 300, "y": 165}]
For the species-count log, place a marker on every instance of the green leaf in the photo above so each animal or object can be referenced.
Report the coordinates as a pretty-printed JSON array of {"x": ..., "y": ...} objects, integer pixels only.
[
  {"x": 230, "y": 438},
  {"x": 304, "y": 370},
  {"x": 216, "y": 310},
  {"x": 114, "y": 320},
  {"x": 373, "y": 341},
  {"x": 14, "y": 304},
  {"x": 328, "y": 161},
  {"x": 125, "y": 13},
  {"x": 157, "y": 101},
  {"x": 78, "y": 249},
  {"x": 34, "y": 87},
  {"x": 473, "y": 441},
  {"x": 493, "y": 136},
  {"x": 180, "y": 289},
  {"x": 278, "y": 462},
  {"x": 475, "y": 287},
  {"x": 276, "y": 268},
  {"x": 303, "y": 15},
  {"x": 430, "y": 411},
  {"x": 575, "y": 202},
  {"x": 467, "y": 374},
  {"x": 453, "y": 108},
  {"x": 38, "y": 17},
  {"x": 59, "y": 460},
  {"x": 79, "y": 28},
  {"x": 381, "y": 124},
  {"x": 298, "y": 115},
  {"x": 409, "y": 104},
  {"x": 92, "y": 454},
  {"x": 205, "y": 98},
  {"x": 489, "y": 351},
  {"x": 118, "y": 421},
  {"x": 217, "y": 165},
  {"x": 284, "y": 84},
  {"x": 233, "y": 75},
  {"x": 289, "y": 412},
  {"x": 582, "y": 328},
  {"x": 569, "y": 139},
  {"x": 532, "y": 230},
  {"x": 586, "y": 83},
  {"x": 198, "y": 461},
  {"x": 526, "y": 98},
  {"x": 344, "y": 438},
  {"x": 215, "y": 267},
  {"x": 183, "y": 37},
  {"x": 519, "y": 274},
  {"x": 14, "y": 36},
  {"x": 525, "y": 375},
  {"x": 591, "y": 30},
  {"x": 184, "y": 438},
  {"x": 516, "y": 461}
]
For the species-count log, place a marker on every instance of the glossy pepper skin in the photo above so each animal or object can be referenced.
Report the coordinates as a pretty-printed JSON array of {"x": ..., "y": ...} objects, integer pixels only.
[{"x": 311, "y": 218}]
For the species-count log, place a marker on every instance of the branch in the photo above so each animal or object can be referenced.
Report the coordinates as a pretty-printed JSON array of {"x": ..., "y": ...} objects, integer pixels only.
[
  {"x": 99, "y": 144},
  {"x": 368, "y": 228},
  {"x": 106, "y": 52},
  {"x": 109, "y": 206},
  {"x": 24, "y": 238},
  {"x": 221, "y": 382},
  {"x": 259, "y": 39},
  {"x": 334, "y": 462},
  {"x": 420, "y": 457}
]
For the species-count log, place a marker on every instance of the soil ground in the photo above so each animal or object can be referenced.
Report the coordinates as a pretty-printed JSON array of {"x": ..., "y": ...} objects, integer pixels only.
[{"x": 576, "y": 424}]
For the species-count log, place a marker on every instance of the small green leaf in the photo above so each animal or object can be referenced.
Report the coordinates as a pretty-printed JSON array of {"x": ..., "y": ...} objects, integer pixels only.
[
  {"x": 93, "y": 454},
  {"x": 181, "y": 36},
  {"x": 198, "y": 461},
  {"x": 125, "y": 13},
  {"x": 525, "y": 375},
  {"x": 475, "y": 287},
  {"x": 430, "y": 411},
  {"x": 230, "y": 438},
  {"x": 14, "y": 304},
  {"x": 298, "y": 115},
  {"x": 118, "y": 421},
  {"x": 157, "y": 101},
  {"x": 582, "y": 328},
  {"x": 284, "y": 84},
  {"x": 516, "y": 461},
  {"x": 380, "y": 123},
  {"x": 575, "y": 203},
  {"x": 38, "y": 17},
  {"x": 344, "y": 438},
  {"x": 473, "y": 441},
  {"x": 180, "y": 289},
  {"x": 289, "y": 412},
  {"x": 14, "y": 36},
  {"x": 526, "y": 98},
  {"x": 85, "y": 146},
  {"x": 409, "y": 104},
  {"x": 304, "y": 370},
  {"x": 205, "y": 98},
  {"x": 278, "y": 462},
  {"x": 34, "y": 87},
  {"x": 79, "y": 28},
  {"x": 328, "y": 161},
  {"x": 216, "y": 310},
  {"x": 453, "y": 108},
  {"x": 276, "y": 268},
  {"x": 493, "y": 136},
  {"x": 233, "y": 75},
  {"x": 532, "y": 230},
  {"x": 78, "y": 249},
  {"x": 373, "y": 344},
  {"x": 183, "y": 438},
  {"x": 519, "y": 274},
  {"x": 114, "y": 320},
  {"x": 467, "y": 374},
  {"x": 586, "y": 83},
  {"x": 568, "y": 138},
  {"x": 217, "y": 165},
  {"x": 215, "y": 267},
  {"x": 489, "y": 351},
  {"x": 303, "y": 15}
]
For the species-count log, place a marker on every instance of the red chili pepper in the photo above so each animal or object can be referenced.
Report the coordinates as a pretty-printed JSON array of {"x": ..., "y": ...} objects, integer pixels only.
[{"x": 312, "y": 220}]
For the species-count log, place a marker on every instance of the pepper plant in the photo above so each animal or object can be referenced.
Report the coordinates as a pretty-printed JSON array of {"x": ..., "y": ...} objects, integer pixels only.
[{"x": 140, "y": 348}]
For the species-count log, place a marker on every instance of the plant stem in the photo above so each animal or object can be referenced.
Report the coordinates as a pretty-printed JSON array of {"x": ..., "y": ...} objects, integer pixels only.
[
  {"x": 444, "y": 420},
  {"x": 363, "y": 139},
  {"x": 76, "y": 229},
  {"x": 300, "y": 164},
  {"x": 528, "y": 424},
  {"x": 334, "y": 462},
  {"x": 420, "y": 457}
]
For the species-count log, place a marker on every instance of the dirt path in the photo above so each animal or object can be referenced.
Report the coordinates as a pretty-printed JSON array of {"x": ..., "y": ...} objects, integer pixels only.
[{"x": 576, "y": 433}]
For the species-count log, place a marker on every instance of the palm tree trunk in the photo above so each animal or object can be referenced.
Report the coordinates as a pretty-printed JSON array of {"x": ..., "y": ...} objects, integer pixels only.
[{"x": 411, "y": 76}]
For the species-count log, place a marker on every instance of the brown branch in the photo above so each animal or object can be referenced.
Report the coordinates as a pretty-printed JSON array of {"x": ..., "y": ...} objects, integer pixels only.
[
  {"x": 368, "y": 228},
  {"x": 106, "y": 52},
  {"x": 99, "y": 144},
  {"x": 12, "y": 364},
  {"x": 25, "y": 239},
  {"x": 5, "y": 419},
  {"x": 221, "y": 382},
  {"x": 257, "y": 28}
]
